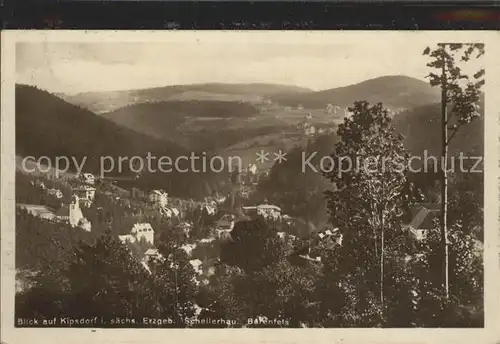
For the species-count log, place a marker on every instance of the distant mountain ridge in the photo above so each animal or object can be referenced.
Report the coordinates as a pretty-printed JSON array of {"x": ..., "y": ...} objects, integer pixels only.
[
  {"x": 394, "y": 91},
  {"x": 111, "y": 100},
  {"x": 215, "y": 117}
]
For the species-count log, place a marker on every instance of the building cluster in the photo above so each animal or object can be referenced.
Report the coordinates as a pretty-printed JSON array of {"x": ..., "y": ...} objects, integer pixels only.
[
  {"x": 82, "y": 196},
  {"x": 327, "y": 238},
  {"x": 142, "y": 234},
  {"x": 224, "y": 226},
  {"x": 73, "y": 215},
  {"x": 306, "y": 125},
  {"x": 139, "y": 232},
  {"x": 336, "y": 110},
  {"x": 333, "y": 109},
  {"x": 159, "y": 198},
  {"x": 266, "y": 211},
  {"x": 142, "y": 237}
]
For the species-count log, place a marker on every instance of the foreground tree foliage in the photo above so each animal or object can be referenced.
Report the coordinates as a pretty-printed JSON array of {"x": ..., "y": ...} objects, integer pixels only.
[
  {"x": 459, "y": 107},
  {"x": 105, "y": 280},
  {"x": 371, "y": 189}
]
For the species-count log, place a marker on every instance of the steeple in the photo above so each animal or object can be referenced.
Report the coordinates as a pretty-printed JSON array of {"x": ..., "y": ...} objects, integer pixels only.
[{"x": 75, "y": 213}]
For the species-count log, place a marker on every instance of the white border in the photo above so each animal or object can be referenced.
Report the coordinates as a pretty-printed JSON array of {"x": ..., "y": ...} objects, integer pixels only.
[{"x": 490, "y": 334}]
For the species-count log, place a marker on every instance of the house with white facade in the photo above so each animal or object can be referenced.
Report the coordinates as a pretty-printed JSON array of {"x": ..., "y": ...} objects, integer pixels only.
[
  {"x": 159, "y": 197},
  {"x": 88, "y": 178},
  {"x": 252, "y": 168},
  {"x": 310, "y": 130},
  {"x": 267, "y": 211},
  {"x": 332, "y": 109},
  {"x": 140, "y": 231},
  {"x": 85, "y": 192},
  {"x": 73, "y": 215}
]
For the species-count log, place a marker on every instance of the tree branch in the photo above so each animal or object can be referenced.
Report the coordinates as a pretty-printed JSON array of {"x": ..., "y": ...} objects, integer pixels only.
[
  {"x": 451, "y": 113},
  {"x": 455, "y": 130}
]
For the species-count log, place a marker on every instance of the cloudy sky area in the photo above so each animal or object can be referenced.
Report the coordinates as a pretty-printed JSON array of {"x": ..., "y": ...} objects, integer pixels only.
[{"x": 81, "y": 67}]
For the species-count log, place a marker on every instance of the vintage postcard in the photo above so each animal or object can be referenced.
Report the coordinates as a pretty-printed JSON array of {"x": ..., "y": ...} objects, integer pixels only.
[{"x": 250, "y": 187}]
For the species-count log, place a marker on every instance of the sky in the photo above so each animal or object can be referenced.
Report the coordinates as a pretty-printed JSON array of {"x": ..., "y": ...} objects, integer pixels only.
[{"x": 320, "y": 64}]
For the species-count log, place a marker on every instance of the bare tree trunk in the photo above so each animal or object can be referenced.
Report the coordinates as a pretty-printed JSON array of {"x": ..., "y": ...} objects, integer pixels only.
[
  {"x": 444, "y": 180},
  {"x": 382, "y": 256}
]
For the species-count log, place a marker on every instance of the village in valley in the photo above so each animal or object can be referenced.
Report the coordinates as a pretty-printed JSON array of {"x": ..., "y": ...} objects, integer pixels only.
[
  {"x": 276, "y": 242},
  {"x": 66, "y": 200}
]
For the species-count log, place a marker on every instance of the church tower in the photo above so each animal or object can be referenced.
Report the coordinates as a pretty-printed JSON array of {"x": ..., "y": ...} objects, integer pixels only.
[{"x": 75, "y": 213}]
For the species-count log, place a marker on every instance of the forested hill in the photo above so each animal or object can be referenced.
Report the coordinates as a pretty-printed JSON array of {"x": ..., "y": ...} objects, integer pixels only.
[
  {"x": 49, "y": 126},
  {"x": 421, "y": 128},
  {"x": 111, "y": 100}
]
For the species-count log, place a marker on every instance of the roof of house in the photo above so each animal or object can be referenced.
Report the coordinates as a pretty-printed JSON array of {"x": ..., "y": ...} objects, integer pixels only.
[
  {"x": 309, "y": 258},
  {"x": 37, "y": 207},
  {"x": 269, "y": 206},
  {"x": 423, "y": 218},
  {"x": 158, "y": 192},
  {"x": 151, "y": 252},
  {"x": 85, "y": 188},
  {"x": 225, "y": 224},
  {"x": 63, "y": 211},
  {"x": 37, "y": 210}
]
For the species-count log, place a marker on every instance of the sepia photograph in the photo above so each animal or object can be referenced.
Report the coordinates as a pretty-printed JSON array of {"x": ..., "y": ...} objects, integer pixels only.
[{"x": 236, "y": 181}]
